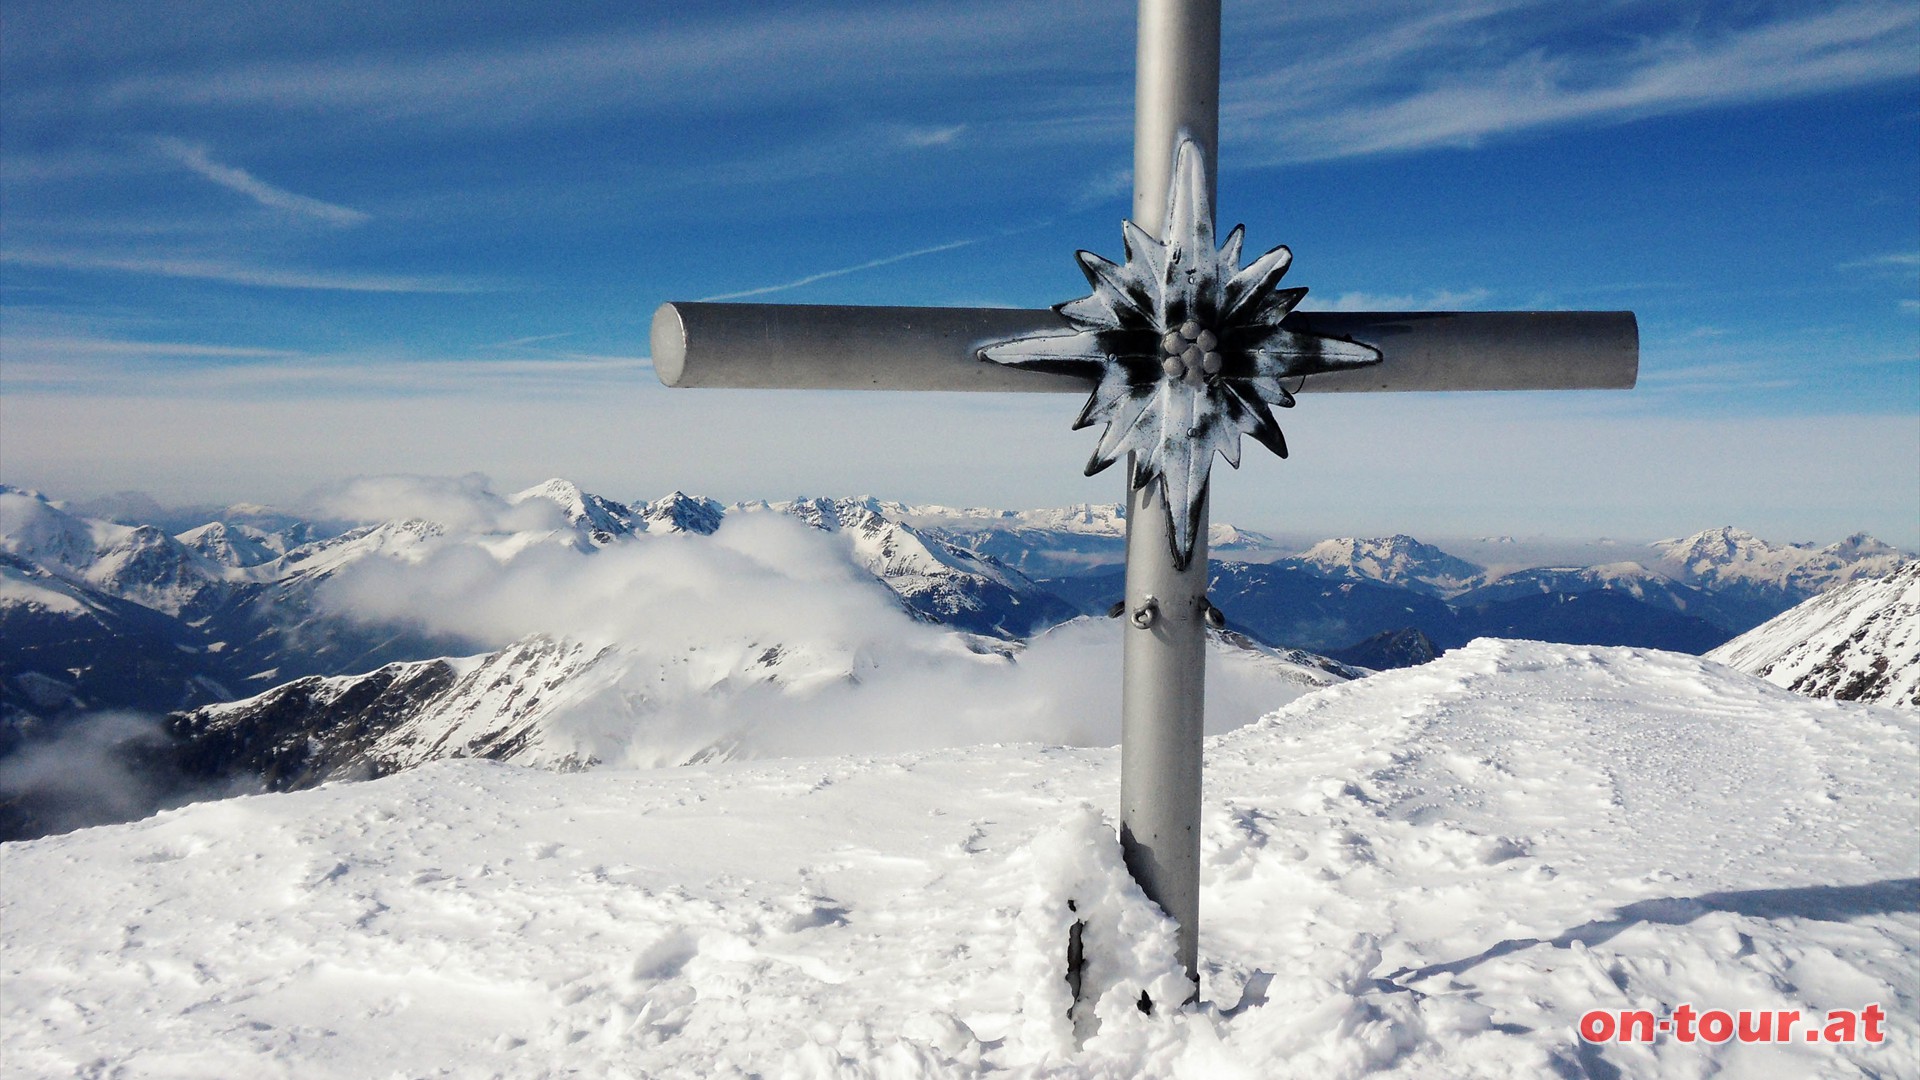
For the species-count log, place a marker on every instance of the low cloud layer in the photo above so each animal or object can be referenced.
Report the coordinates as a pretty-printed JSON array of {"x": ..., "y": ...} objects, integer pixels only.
[
  {"x": 464, "y": 504},
  {"x": 764, "y": 639},
  {"x": 97, "y": 768}
]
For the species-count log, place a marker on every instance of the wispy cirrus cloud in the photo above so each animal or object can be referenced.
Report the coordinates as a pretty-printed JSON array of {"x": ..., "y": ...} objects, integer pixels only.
[
  {"x": 1435, "y": 300},
  {"x": 195, "y": 157},
  {"x": 726, "y": 60},
  {"x": 102, "y": 366},
  {"x": 824, "y": 275},
  {"x": 1899, "y": 260},
  {"x": 239, "y": 273},
  {"x": 529, "y": 342},
  {"x": 1343, "y": 81},
  {"x": 48, "y": 347},
  {"x": 933, "y": 136},
  {"x": 1493, "y": 69}
]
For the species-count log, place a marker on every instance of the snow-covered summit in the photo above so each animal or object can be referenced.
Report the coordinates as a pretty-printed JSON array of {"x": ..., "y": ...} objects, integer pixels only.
[
  {"x": 1858, "y": 642},
  {"x": 601, "y": 519},
  {"x": 680, "y": 512},
  {"x": 234, "y": 545},
  {"x": 1395, "y": 560},
  {"x": 1428, "y": 873},
  {"x": 406, "y": 540}
]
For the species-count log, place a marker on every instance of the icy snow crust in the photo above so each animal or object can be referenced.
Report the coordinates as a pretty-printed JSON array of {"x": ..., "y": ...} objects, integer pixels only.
[{"x": 1427, "y": 873}]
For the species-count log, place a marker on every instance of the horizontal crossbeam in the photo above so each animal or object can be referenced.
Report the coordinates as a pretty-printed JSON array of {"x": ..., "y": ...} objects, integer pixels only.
[{"x": 815, "y": 347}]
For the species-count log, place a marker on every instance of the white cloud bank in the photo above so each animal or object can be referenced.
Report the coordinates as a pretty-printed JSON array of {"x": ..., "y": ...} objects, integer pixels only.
[{"x": 762, "y": 640}]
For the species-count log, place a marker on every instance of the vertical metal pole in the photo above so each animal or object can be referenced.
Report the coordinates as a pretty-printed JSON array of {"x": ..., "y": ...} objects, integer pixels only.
[{"x": 1177, "y": 94}]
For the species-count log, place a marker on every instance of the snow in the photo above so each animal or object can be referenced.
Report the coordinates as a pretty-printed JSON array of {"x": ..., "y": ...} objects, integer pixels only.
[
  {"x": 140, "y": 563},
  {"x": 17, "y": 588},
  {"x": 233, "y": 545},
  {"x": 1428, "y": 872},
  {"x": 1102, "y": 520},
  {"x": 1859, "y": 642},
  {"x": 1726, "y": 555},
  {"x": 408, "y": 540}
]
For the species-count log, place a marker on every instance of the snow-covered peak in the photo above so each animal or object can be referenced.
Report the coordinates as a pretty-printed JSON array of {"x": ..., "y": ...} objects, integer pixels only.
[
  {"x": 393, "y": 539},
  {"x": 832, "y": 515},
  {"x": 35, "y": 529},
  {"x": 1858, "y": 642},
  {"x": 601, "y": 519},
  {"x": 1713, "y": 549},
  {"x": 1396, "y": 560},
  {"x": 136, "y": 562},
  {"x": 1861, "y": 546},
  {"x": 887, "y": 547},
  {"x": 147, "y": 565},
  {"x": 939, "y": 578},
  {"x": 233, "y": 545},
  {"x": 1727, "y": 555},
  {"x": 680, "y": 512}
]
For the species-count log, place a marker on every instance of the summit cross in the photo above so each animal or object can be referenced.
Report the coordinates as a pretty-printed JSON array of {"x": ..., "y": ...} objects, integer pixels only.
[{"x": 1181, "y": 350}]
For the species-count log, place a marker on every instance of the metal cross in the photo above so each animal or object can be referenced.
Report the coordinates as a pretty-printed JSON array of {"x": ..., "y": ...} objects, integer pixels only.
[{"x": 1177, "y": 368}]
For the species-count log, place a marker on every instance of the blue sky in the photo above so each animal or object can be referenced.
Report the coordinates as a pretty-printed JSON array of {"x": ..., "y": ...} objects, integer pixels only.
[{"x": 248, "y": 251}]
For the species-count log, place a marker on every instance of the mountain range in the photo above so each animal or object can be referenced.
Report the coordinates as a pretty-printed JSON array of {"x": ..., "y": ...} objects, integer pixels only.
[{"x": 288, "y": 650}]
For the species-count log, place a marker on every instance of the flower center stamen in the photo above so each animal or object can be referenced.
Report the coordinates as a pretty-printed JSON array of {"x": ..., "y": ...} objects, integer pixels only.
[{"x": 1191, "y": 352}]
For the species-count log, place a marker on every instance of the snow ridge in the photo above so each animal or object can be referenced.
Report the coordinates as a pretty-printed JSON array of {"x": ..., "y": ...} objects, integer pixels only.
[{"x": 1859, "y": 642}]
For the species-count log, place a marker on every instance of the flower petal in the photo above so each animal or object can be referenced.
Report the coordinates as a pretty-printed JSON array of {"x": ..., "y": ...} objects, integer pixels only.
[
  {"x": 1119, "y": 288},
  {"x": 1276, "y": 305},
  {"x": 1135, "y": 419},
  {"x": 1252, "y": 283},
  {"x": 1256, "y": 419},
  {"x": 1076, "y": 347},
  {"x": 1283, "y": 354}
]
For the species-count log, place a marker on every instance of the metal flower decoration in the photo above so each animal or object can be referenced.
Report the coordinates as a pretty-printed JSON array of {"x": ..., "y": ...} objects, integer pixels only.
[{"x": 1188, "y": 348}]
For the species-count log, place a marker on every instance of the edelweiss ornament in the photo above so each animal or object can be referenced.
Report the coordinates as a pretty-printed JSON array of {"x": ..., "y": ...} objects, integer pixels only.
[{"x": 1189, "y": 348}]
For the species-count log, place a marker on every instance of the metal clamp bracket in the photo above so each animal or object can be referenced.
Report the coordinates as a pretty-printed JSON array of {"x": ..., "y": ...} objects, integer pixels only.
[
  {"x": 1213, "y": 616},
  {"x": 1146, "y": 614}
]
